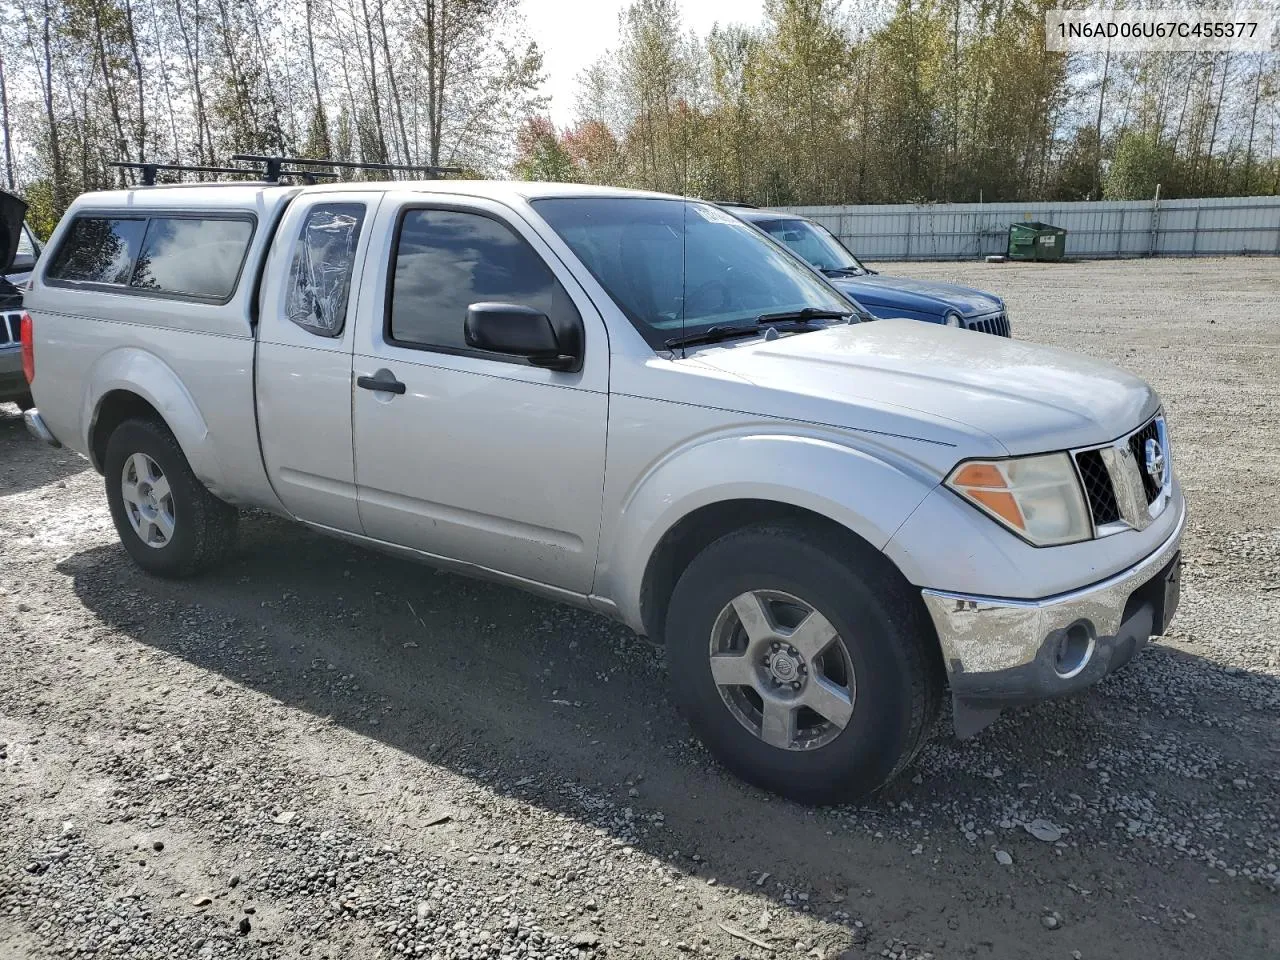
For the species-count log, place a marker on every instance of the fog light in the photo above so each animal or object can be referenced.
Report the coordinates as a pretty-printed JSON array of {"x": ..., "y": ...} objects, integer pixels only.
[{"x": 1075, "y": 649}]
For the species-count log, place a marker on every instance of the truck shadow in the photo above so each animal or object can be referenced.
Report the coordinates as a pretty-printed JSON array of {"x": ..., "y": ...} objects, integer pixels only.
[
  {"x": 26, "y": 463},
  {"x": 566, "y": 710}
]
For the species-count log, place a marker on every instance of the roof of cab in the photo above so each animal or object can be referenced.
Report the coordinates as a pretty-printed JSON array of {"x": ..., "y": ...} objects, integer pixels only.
[{"x": 261, "y": 196}]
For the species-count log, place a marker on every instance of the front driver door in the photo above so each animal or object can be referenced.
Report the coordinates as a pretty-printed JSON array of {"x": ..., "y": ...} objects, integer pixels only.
[{"x": 482, "y": 458}]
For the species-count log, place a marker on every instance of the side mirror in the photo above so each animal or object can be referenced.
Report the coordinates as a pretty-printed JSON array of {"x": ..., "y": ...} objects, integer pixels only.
[{"x": 520, "y": 331}]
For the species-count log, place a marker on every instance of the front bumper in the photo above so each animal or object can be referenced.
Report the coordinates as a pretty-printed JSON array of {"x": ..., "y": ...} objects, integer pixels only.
[{"x": 1000, "y": 652}]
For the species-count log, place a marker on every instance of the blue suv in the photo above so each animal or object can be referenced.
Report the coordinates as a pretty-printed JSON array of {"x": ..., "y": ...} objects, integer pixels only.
[{"x": 884, "y": 297}]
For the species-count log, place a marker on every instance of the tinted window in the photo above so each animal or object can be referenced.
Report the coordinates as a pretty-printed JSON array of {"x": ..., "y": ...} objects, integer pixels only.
[
  {"x": 26, "y": 246},
  {"x": 812, "y": 243},
  {"x": 193, "y": 257},
  {"x": 24, "y": 258},
  {"x": 677, "y": 266},
  {"x": 447, "y": 261},
  {"x": 320, "y": 278},
  {"x": 98, "y": 250}
]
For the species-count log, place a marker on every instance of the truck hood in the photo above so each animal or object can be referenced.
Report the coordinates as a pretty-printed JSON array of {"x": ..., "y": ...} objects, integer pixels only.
[
  {"x": 918, "y": 296},
  {"x": 12, "y": 210},
  {"x": 1028, "y": 398}
]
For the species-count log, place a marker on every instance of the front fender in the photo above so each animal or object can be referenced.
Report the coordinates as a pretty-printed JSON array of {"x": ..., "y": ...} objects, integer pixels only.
[
  {"x": 140, "y": 372},
  {"x": 870, "y": 494}
]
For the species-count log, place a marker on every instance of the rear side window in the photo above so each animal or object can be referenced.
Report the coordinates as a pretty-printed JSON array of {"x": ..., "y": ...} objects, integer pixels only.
[
  {"x": 187, "y": 257},
  {"x": 98, "y": 250},
  {"x": 447, "y": 260},
  {"x": 26, "y": 246},
  {"x": 320, "y": 278},
  {"x": 192, "y": 257}
]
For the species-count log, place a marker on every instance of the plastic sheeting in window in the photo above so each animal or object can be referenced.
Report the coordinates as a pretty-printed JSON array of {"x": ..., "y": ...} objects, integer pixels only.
[{"x": 320, "y": 279}]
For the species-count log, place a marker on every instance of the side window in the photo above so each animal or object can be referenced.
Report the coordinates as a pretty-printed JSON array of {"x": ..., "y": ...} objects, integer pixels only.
[
  {"x": 98, "y": 250},
  {"x": 447, "y": 260},
  {"x": 26, "y": 245},
  {"x": 24, "y": 258},
  {"x": 197, "y": 257},
  {"x": 320, "y": 278},
  {"x": 192, "y": 257}
]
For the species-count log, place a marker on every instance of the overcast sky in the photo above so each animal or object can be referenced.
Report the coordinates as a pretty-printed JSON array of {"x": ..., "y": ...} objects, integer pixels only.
[{"x": 574, "y": 33}]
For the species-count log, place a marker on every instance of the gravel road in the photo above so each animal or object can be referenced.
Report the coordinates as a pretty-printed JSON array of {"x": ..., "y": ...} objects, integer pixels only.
[{"x": 322, "y": 752}]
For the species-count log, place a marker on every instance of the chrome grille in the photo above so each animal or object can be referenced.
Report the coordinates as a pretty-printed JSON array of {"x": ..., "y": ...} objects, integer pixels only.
[
  {"x": 10, "y": 328},
  {"x": 1122, "y": 495},
  {"x": 1097, "y": 487},
  {"x": 996, "y": 323},
  {"x": 1138, "y": 444}
]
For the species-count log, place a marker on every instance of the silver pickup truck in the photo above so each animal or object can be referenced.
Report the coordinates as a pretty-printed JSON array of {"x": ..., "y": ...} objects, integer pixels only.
[{"x": 630, "y": 402}]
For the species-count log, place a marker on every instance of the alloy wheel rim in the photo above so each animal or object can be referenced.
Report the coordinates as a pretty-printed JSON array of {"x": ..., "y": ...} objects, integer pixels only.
[
  {"x": 148, "y": 501},
  {"x": 782, "y": 670}
]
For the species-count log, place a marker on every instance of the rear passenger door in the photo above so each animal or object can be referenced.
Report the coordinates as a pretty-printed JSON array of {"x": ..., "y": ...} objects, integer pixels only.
[
  {"x": 476, "y": 457},
  {"x": 305, "y": 338}
]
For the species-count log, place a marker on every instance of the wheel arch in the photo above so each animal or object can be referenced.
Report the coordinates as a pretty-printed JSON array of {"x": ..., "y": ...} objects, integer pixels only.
[
  {"x": 697, "y": 530},
  {"x": 129, "y": 383},
  {"x": 115, "y": 407},
  {"x": 703, "y": 492}
]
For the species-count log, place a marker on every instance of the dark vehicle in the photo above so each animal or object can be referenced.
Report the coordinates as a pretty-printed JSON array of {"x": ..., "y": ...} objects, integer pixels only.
[
  {"x": 18, "y": 253},
  {"x": 884, "y": 297}
]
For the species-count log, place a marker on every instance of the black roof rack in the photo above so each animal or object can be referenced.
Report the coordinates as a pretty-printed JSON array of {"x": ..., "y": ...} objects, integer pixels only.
[
  {"x": 149, "y": 171},
  {"x": 275, "y": 166},
  {"x": 733, "y": 203}
]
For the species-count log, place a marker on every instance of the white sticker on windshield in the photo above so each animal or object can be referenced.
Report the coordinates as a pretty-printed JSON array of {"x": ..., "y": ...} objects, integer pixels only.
[{"x": 712, "y": 214}]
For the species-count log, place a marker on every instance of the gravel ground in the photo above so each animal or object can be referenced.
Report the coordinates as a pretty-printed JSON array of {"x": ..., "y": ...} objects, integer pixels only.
[{"x": 327, "y": 753}]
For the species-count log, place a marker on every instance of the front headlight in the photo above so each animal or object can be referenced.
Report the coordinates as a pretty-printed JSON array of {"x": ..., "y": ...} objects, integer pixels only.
[
  {"x": 953, "y": 320},
  {"x": 1038, "y": 498}
]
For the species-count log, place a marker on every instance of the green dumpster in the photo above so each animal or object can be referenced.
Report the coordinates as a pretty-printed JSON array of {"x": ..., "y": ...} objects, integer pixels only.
[{"x": 1036, "y": 241}]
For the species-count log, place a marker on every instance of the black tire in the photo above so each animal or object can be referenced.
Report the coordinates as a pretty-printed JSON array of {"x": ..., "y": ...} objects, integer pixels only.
[
  {"x": 204, "y": 527},
  {"x": 881, "y": 623}
]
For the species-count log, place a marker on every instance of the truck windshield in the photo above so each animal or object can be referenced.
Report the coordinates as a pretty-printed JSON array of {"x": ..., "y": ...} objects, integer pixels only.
[
  {"x": 814, "y": 244},
  {"x": 678, "y": 267}
]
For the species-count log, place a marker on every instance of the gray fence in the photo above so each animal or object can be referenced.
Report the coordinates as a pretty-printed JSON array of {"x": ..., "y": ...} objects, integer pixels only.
[{"x": 1123, "y": 228}]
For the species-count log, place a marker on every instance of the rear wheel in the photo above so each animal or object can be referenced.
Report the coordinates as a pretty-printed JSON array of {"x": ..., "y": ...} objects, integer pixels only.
[
  {"x": 801, "y": 660},
  {"x": 167, "y": 520}
]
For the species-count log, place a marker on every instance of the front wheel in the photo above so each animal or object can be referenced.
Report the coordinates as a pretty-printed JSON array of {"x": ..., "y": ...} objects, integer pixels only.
[
  {"x": 801, "y": 661},
  {"x": 168, "y": 521}
]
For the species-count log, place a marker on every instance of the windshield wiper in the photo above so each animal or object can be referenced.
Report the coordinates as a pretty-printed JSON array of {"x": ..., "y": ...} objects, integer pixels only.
[
  {"x": 842, "y": 272},
  {"x": 712, "y": 334},
  {"x": 717, "y": 332},
  {"x": 805, "y": 316}
]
